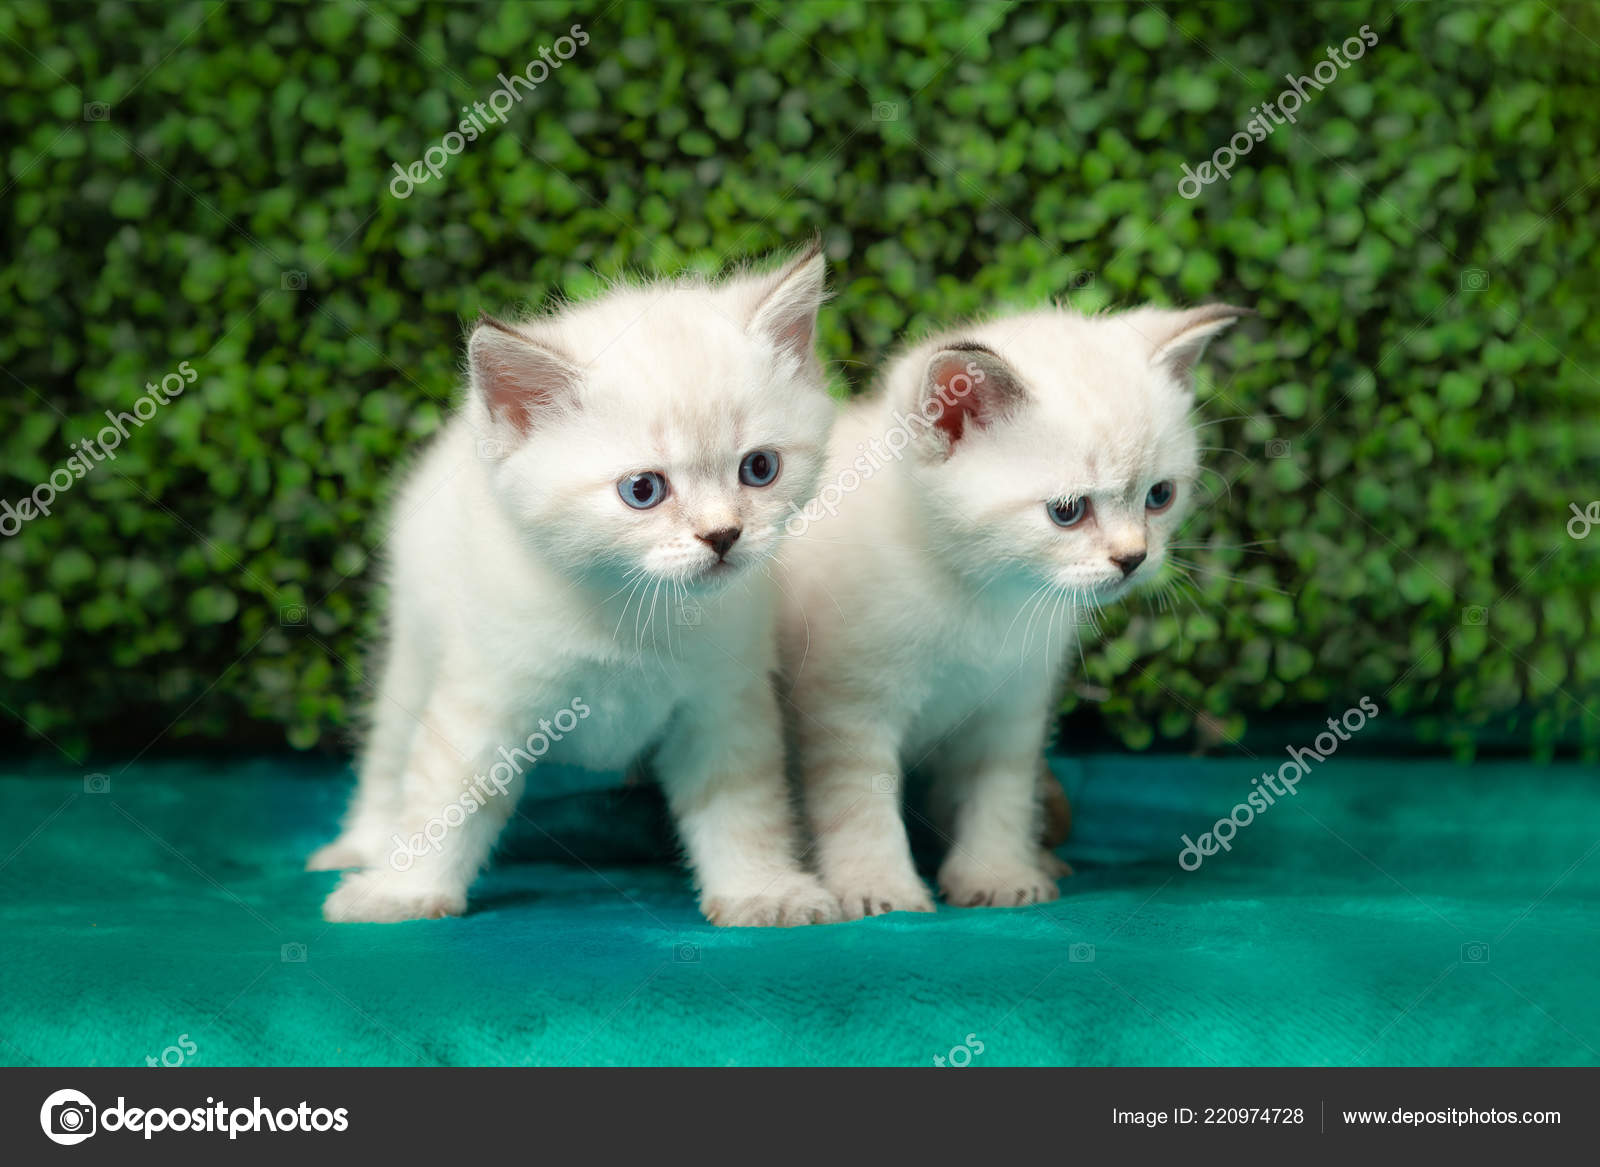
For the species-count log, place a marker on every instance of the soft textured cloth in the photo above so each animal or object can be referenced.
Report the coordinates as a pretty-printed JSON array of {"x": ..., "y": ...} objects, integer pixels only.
[{"x": 1390, "y": 913}]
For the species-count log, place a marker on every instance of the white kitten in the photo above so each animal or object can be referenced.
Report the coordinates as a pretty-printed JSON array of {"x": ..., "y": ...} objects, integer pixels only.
[
  {"x": 1006, "y": 477},
  {"x": 588, "y": 541}
]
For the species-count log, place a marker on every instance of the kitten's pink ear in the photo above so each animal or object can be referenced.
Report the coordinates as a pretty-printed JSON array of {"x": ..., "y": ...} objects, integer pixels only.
[
  {"x": 786, "y": 303},
  {"x": 518, "y": 378},
  {"x": 968, "y": 385},
  {"x": 1180, "y": 337}
]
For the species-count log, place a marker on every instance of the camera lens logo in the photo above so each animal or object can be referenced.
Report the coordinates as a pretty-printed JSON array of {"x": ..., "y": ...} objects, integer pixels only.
[{"x": 67, "y": 1117}]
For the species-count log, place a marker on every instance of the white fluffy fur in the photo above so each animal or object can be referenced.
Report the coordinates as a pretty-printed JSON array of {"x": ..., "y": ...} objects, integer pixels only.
[
  {"x": 927, "y": 621},
  {"x": 520, "y": 582}
]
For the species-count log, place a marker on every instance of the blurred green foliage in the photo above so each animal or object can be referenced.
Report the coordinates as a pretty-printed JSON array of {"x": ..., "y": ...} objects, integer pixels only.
[{"x": 1397, "y": 442}]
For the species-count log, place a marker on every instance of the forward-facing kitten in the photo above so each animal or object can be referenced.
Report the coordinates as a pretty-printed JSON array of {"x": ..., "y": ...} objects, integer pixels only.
[
  {"x": 617, "y": 465},
  {"x": 1005, "y": 476}
]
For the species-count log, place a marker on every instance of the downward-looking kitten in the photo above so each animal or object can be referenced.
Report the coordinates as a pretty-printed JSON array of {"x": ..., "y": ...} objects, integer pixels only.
[
  {"x": 1005, "y": 477},
  {"x": 617, "y": 467}
]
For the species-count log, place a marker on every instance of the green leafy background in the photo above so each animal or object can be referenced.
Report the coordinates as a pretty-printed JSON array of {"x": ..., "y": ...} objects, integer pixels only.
[{"x": 1398, "y": 438}]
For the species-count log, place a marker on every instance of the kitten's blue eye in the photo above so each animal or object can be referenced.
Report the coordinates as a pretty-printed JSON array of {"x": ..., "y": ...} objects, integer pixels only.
[
  {"x": 643, "y": 491},
  {"x": 1160, "y": 496},
  {"x": 759, "y": 467},
  {"x": 1069, "y": 513}
]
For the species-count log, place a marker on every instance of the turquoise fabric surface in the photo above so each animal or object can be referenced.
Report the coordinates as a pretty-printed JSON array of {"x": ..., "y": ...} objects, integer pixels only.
[{"x": 1392, "y": 912}]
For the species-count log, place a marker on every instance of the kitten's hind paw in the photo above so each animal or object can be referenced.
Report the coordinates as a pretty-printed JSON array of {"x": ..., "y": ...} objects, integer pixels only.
[
  {"x": 1053, "y": 865},
  {"x": 786, "y": 902},
  {"x": 339, "y": 855},
  {"x": 375, "y": 897},
  {"x": 968, "y": 884}
]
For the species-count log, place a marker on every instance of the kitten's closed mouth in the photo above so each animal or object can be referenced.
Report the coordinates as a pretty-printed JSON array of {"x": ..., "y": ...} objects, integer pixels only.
[
  {"x": 715, "y": 574},
  {"x": 1110, "y": 591}
]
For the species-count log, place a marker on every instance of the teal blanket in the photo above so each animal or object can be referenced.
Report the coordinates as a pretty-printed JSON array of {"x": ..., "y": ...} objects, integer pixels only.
[{"x": 1392, "y": 912}]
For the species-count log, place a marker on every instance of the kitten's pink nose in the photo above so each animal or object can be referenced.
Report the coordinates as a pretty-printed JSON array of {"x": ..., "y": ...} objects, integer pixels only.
[
  {"x": 1129, "y": 561},
  {"x": 720, "y": 540}
]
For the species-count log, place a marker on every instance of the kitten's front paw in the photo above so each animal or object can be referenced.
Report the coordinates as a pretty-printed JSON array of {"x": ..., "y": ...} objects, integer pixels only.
[
  {"x": 786, "y": 902},
  {"x": 970, "y": 884},
  {"x": 878, "y": 893},
  {"x": 375, "y": 897}
]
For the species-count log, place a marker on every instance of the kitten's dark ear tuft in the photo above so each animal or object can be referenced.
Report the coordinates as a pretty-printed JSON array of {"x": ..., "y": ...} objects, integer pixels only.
[
  {"x": 1180, "y": 337},
  {"x": 966, "y": 385},
  {"x": 785, "y": 304},
  {"x": 517, "y": 377}
]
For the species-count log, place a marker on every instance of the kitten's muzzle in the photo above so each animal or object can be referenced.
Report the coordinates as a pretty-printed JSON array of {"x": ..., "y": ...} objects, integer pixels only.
[
  {"x": 720, "y": 540},
  {"x": 1129, "y": 561}
]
